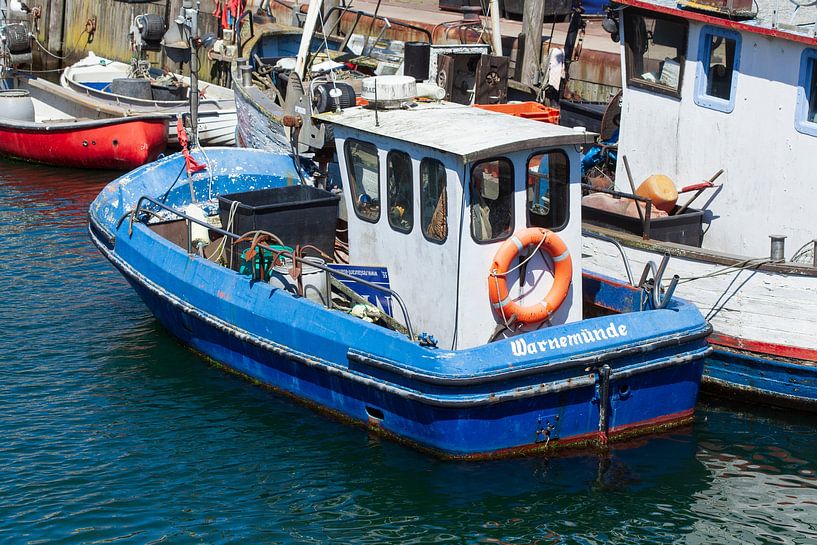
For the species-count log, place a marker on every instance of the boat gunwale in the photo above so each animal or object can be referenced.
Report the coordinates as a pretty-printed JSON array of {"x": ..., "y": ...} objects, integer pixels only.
[
  {"x": 522, "y": 369},
  {"x": 698, "y": 254}
]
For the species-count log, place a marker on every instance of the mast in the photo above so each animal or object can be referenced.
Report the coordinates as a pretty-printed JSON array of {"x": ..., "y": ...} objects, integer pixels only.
[
  {"x": 496, "y": 33},
  {"x": 306, "y": 37}
]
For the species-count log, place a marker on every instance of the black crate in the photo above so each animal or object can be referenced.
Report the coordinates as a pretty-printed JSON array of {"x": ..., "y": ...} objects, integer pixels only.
[
  {"x": 297, "y": 214},
  {"x": 686, "y": 228}
]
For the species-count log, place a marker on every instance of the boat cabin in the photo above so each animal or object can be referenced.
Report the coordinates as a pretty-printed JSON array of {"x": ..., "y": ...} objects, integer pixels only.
[
  {"x": 713, "y": 85},
  {"x": 434, "y": 190}
]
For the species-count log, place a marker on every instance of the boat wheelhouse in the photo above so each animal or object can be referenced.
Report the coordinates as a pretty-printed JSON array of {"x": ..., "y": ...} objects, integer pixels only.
[
  {"x": 454, "y": 316},
  {"x": 729, "y": 88}
]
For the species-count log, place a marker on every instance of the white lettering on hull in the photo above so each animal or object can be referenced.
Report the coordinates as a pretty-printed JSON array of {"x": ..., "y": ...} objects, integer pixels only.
[{"x": 519, "y": 347}]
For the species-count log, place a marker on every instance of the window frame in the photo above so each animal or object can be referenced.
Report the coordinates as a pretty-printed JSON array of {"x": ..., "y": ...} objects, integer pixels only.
[
  {"x": 411, "y": 191},
  {"x": 701, "y": 97},
  {"x": 350, "y": 173},
  {"x": 566, "y": 221},
  {"x": 640, "y": 83},
  {"x": 513, "y": 199},
  {"x": 807, "y": 72},
  {"x": 445, "y": 188}
]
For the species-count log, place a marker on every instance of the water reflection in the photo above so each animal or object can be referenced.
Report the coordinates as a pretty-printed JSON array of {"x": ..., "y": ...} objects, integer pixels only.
[{"x": 113, "y": 431}]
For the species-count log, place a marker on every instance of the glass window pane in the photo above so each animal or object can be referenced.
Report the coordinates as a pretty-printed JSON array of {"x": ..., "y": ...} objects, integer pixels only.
[
  {"x": 547, "y": 190},
  {"x": 721, "y": 64},
  {"x": 491, "y": 198},
  {"x": 812, "y": 91},
  {"x": 433, "y": 200},
  {"x": 364, "y": 178},
  {"x": 399, "y": 189},
  {"x": 655, "y": 49}
]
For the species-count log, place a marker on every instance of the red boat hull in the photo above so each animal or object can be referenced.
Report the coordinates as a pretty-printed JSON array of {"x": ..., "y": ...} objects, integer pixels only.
[{"x": 120, "y": 144}]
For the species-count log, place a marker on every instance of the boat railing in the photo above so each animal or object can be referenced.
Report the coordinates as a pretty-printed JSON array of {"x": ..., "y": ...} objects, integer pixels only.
[
  {"x": 329, "y": 272},
  {"x": 238, "y": 26},
  {"x": 360, "y": 14}
]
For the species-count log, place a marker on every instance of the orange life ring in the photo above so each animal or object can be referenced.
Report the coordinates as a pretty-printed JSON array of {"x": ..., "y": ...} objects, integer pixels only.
[{"x": 562, "y": 276}]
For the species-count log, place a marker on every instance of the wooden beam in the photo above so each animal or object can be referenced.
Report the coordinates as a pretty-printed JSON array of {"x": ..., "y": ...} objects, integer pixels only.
[{"x": 532, "y": 20}]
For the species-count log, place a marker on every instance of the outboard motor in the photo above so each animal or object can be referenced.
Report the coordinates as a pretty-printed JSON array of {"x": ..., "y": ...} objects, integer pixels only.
[
  {"x": 15, "y": 44},
  {"x": 146, "y": 32}
]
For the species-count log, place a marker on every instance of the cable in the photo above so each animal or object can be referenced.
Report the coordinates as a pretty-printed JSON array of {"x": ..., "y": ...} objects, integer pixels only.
[{"x": 45, "y": 49}]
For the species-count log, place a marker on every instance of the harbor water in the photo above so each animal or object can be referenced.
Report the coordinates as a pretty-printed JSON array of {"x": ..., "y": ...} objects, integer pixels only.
[{"x": 112, "y": 432}]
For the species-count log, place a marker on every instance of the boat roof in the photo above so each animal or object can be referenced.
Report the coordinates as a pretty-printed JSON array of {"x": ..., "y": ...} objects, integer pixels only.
[
  {"x": 775, "y": 18},
  {"x": 468, "y": 132}
]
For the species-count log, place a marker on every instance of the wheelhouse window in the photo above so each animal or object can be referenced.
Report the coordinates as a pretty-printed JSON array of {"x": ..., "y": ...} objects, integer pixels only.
[
  {"x": 548, "y": 178},
  {"x": 716, "y": 80},
  {"x": 400, "y": 191},
  {"x": 655, "y": 51},
  {"x": 364, "y": 177},
  {"x": 433, "y": 200},
  {"x": 806, "y": 111},
  {"x": 491, "y": 196}
]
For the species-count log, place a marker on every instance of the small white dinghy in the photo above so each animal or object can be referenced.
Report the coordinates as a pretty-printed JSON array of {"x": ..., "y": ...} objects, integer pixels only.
[{"x": 110, "y": 82}]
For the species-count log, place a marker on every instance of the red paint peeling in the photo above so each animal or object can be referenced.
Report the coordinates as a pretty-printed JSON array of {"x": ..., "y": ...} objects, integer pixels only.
[
  {"x": 763, "y": 348},
  {"x": 720, "y": 21}
]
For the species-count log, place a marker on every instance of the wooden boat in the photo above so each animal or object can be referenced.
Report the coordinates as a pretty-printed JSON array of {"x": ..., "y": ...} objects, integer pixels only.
[
  {"x": 42, "y": 122},
  {"x": 421, "y": 334},
  {"x": 93, "y": 78},
  {"x": 729, "y": 87}
]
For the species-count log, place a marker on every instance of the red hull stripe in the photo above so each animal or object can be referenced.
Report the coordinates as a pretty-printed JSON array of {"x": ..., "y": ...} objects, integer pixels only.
[
  {"x": 719, "y": 21},
  {"x": 125, "y": 145},
  {"x": 763, "y": 348}
]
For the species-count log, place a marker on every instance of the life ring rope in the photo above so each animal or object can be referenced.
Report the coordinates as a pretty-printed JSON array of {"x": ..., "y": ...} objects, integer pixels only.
[{"x": 498, "y": 293}]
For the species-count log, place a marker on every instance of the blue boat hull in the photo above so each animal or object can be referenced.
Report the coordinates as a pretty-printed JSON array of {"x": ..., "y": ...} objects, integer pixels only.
[
  {"x": 744, "y": 375},
  {"x": 458, "y": 404}
]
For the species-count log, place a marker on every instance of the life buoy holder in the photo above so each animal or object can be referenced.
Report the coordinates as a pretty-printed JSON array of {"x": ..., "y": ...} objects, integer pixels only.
[{"x": 497, "y": 276}]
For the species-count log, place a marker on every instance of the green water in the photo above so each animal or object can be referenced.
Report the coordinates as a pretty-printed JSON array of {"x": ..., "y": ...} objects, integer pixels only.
[{"x": 110, "y": 432}]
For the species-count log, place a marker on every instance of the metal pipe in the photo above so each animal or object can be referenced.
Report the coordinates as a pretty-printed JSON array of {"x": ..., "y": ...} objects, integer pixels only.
[
  {"x": 778, "y": 248},
  {"x": 193, "y": 14},
  {"x": 614, "y": 242},
  {"x": 814, "y": 253},
  {"x": 246, "y": 75},
  {"x": 604, "y": 399},
  {"x": 632, "y": 186}
]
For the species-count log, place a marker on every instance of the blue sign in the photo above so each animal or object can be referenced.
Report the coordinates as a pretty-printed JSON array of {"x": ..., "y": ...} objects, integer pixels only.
[{"x": 375, "y": 275}]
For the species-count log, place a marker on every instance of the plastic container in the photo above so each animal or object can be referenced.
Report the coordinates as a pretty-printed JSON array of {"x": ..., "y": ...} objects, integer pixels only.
[
  {"x": 16, "y": 105},
  {"x": 528, "y": 110},
  {"x": 416, "y": 57},
  {"x": 297, "y": 214},
  {"x": 313, "y": 279},
  {"x": 169, "y": 92},
  {"x": 660, "y": 190},
  {"x": 132, "y": 87},
  {"x": 686, "y": 228}
]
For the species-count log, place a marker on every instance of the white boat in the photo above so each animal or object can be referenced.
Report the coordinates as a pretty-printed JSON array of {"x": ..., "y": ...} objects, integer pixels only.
[
  {"x": 733, "y": 87},
  {"x": 94, "y": 77}
]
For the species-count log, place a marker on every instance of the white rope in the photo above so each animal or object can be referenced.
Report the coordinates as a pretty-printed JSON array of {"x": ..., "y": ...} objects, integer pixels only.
[
  {"x": 743, "y": 265},
  {"x": 494, "y": 273},
  {"x": 223, "y": 244},
  {"x": 46, "y": 49}
]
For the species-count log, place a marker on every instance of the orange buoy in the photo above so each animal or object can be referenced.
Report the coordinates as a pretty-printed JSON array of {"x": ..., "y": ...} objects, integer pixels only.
[
  {"x": 562, "y": 276},
  {"x": 660, "y": 190}
]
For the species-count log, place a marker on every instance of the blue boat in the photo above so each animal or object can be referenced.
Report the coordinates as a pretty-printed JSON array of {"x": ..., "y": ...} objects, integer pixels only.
[{"x": 444, "y": 328}]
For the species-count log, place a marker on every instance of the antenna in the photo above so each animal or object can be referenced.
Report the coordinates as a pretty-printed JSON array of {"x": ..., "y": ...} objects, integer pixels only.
[{"x": 376, "y": 120}]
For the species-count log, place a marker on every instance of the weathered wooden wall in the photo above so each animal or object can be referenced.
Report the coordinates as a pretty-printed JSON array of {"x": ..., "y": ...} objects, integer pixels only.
[{"x": 65, "y": 25}]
